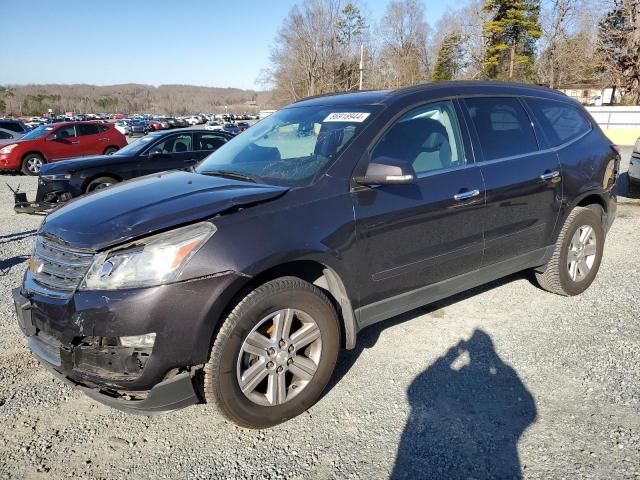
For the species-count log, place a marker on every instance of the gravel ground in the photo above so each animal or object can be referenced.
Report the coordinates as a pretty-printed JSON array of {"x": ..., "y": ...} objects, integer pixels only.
[{"x": 502, "y": 381}]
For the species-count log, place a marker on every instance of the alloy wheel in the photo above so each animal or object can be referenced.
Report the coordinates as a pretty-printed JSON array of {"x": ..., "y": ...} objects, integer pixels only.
[
  {"x": 582, "y": 253},
  {"x": 34, "y": 164},
  {"x": 279, "y": 357}
]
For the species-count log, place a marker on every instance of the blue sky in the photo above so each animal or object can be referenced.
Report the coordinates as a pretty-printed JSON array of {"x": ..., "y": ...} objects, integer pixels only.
[{"x": 198, "y": 42}]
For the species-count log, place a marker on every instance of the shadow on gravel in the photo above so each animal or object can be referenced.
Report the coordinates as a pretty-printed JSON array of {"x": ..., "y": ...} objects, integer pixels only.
[
  {"x": 468, "y": 410},
  {"x": 14, "y": 237},
  {"x": 465, "y": 422},
  {"x": 7, "y": 263}
]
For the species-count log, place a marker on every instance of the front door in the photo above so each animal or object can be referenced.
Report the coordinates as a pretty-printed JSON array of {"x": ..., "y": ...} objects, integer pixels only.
[
  {"x": 65, "y": 145},
  {"x": 523, "y": 181},
  {"x": 420, "y": 234}
]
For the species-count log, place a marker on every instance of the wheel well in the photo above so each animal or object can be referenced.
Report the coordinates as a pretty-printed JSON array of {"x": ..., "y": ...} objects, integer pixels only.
[
  {"x": 111, "y": 146},
  {"x": 594, "y": 199},
  {"x": 322, "y": 277},
  {"x": 98, "y": 175},
  {"x": 31, "y": 153}
]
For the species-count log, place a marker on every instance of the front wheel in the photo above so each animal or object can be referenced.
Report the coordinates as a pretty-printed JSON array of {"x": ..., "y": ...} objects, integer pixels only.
[
  {"x": 577, "y": 255},
  {"x": 32, "y": 163},
  {"x": 273, "y": 355},
  {"x": 100, "y": 183}
]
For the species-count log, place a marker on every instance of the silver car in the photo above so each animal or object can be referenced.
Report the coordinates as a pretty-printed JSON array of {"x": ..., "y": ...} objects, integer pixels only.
[
  {"x": 634, "y": 166},
  {"x": 8, "y": 136}
]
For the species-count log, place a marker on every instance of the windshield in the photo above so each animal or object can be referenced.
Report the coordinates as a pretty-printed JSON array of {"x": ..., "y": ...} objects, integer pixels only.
[
  {"x": 135, "y": 147},
  {"x": 292, "y": 145},
  {"x": 38, "y": 132}
]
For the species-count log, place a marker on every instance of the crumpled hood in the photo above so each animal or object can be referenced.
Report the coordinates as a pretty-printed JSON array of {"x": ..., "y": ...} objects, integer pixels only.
[{"x": 133, "y": 209}]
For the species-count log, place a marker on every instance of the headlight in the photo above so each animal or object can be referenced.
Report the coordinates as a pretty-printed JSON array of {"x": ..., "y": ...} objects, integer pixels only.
[
  {"x": 154, "y": 260},
  {"x": 56, "y": 176},
  {"x": 8, "y": 148},
  {"x": 140, "y": 341}
]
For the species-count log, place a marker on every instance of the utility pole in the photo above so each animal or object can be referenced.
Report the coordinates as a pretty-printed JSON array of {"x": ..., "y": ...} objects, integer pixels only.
[{"x": 361, "y": 64}]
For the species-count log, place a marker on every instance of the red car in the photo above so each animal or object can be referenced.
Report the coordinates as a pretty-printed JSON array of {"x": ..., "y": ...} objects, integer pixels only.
[{"x": 49, "y": 143}]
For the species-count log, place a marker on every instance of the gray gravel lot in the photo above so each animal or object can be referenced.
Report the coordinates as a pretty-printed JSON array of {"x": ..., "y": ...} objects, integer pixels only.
[{"x": 502, "y": 381}]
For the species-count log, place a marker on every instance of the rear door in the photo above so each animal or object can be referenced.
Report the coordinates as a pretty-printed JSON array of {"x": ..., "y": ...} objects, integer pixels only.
[
  {"x": 88, "y": 134},
  {"x": 419, "y": 234},
  {"x": 206, "y": 143},
  {"x": 66, "y": 145},
  {"x": 522, "y": 178}
]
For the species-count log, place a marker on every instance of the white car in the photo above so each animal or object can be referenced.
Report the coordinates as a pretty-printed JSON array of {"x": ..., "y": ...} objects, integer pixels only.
[
  {"x": 123, "y": 128},
  {"x": 192, "y": 120},
  {"x": 213, "y": 125}
]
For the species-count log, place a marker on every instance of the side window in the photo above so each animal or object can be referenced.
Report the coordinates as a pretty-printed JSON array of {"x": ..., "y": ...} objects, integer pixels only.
[
  {"x": 503, "y": 127},
  {"x": 87, "y": 129},
  {"x": 173, "y": 144},
  {"x": 560, "y": 122},
  {"x": 428, "y": 137},
  {"x": 13, "y": 126},
  {"x": 5, "y": 135},
  {"x": 66, "y": 132},
  {"x": 102, "y": 128},
  {"x": 209, "y": 141}
]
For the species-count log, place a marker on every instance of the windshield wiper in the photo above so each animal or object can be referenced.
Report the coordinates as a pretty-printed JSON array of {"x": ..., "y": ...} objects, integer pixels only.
[{"x": 232, "y": 175}]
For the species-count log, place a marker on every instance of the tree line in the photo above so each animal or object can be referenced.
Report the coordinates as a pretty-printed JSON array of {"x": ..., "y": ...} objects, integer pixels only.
[
  {"x": 166, "y": 99},
  {"x": 551, "y": 42}
]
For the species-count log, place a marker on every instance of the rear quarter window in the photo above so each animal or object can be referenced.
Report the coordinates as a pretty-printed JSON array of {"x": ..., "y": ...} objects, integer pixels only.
[
  {"x": 503, "y": 127},
  {"x": 560, "y": 122}
]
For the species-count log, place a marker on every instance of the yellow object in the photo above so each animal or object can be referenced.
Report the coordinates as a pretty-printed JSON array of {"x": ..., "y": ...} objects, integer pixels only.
[{"x": 622, "y": 136}]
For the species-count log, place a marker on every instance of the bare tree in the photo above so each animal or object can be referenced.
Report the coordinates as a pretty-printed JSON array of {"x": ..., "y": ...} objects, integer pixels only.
[
  {"x": 619, "y": 45},
  {"x": 404, "y": 58}
]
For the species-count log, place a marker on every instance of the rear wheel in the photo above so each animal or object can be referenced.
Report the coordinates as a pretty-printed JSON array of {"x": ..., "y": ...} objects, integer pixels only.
[
  {"x": 32, "y": 163},
  {"x": 577, "y": 255},
  {"x": 110, "y": 150},
  {"x": 273, "y": 355},
  {"x": 100, "y": 183}
]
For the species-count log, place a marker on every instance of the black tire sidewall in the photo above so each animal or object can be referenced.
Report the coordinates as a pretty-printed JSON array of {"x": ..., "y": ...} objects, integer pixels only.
[
  {"x": 585, "y": 217},
  {"x": 24, "y": 168},
  {"x": 228, "y": 390},
  {"x": 97, "y": 181}
]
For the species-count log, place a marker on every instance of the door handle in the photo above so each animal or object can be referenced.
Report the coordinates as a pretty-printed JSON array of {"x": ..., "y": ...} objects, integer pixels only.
[
  {"x": 466, "y": 195},
  {"x": 75, "y": 143},
  {"x": 550, "y": 175},
  {"x": 103, "y": 139}
]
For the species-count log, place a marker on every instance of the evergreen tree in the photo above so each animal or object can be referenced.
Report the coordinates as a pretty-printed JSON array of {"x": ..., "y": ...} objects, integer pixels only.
[
  {"x": 512, "y": 31},
  {"x": 450, "y": 58}
]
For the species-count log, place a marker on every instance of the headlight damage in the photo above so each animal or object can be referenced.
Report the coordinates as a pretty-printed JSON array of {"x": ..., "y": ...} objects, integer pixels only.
[{"x": 151, "y": 261}]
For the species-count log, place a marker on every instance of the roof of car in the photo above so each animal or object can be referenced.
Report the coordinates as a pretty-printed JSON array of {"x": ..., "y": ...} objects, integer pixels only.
[{"x": 455, "y": 87}]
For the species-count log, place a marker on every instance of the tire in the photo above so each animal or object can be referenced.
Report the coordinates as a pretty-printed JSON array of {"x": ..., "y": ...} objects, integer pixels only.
[
  {"x": 31, "y": 164},
  {"x": 634, "y": 188},
  {"x": 223, "y": 371},
  {"x": 100, "y": 183},
  {"x": 110, "y": 151},
  {"x": 557, "y": 276}
]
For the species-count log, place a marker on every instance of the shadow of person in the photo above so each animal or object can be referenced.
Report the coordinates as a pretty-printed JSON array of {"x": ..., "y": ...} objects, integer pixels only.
[{"x": 468, "y": 410}]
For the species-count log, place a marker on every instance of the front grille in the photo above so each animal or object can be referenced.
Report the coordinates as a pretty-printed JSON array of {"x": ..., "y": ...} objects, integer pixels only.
[{"x": 57, "y": 270}]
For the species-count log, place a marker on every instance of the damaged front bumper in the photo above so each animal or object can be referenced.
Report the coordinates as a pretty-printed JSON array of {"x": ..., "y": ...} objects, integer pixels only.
[
  {"x": 45, "y": 201},
  {"x": 77, "y": 339}
]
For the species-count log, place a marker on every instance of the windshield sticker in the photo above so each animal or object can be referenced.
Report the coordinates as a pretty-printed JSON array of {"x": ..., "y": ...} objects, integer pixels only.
[{"x": 347, "y": 117}]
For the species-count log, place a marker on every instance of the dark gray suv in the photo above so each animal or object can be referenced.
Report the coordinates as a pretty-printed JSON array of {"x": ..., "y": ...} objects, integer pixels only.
[{"x": 239, "y": 282}]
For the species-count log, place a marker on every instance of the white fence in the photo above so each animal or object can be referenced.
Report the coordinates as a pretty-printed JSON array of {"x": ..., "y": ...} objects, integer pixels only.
[{"x": 615, "y": 118}]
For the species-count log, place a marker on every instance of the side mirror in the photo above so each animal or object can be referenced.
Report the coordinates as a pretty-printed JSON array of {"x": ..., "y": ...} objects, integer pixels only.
[
  {"x": 387, "y": 171},
  {"x": 53, "y": 136}
]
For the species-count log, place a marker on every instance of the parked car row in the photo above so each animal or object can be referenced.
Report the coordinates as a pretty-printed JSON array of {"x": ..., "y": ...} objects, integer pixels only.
[
  {"x": 50, "y": 143},
  {"x": 155, "y": 152}
]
